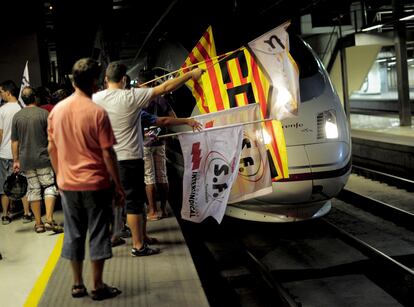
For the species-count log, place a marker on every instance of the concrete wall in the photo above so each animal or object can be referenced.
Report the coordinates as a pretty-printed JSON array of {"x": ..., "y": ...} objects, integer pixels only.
[
  {"x": 397, "y": 159},
  {"x": 359, "y": 61},
  {"x": 14, "y": 52}
]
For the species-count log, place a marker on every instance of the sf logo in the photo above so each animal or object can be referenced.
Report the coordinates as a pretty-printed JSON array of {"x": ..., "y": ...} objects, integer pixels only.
[
  {"x": 218, "y": 170},
  {"x": 252, "y": 164}
]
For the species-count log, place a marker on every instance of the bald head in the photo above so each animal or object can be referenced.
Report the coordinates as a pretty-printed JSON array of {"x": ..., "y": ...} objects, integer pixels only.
[{"x": 29, "y": 95}]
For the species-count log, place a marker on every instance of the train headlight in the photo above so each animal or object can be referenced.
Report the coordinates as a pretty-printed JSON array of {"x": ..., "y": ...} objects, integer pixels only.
[{"x": 327, "y": 127}]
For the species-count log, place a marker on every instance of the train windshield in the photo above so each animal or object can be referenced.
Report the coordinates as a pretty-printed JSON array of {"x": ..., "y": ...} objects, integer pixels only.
[{"x": 311, "y": 76}]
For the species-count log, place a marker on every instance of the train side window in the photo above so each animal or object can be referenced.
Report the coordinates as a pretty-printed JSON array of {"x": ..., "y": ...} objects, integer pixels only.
[
  {"x": 308, "y": 66},
  {"x": 312, "y": 80}
]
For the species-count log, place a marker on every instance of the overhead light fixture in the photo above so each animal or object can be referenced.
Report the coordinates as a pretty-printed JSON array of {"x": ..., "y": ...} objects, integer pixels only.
[
  {"x": 372, "y": 28},
  {"x": 407, "y": 18}
]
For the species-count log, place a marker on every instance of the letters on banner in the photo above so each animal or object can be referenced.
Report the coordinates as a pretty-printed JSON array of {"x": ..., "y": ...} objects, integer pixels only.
[
  {"x": 232, "y": 80},
  {"x": 254, "y": 178},
  {"x": 211, "y": 162},
  {"x": 272, "y": 51}
]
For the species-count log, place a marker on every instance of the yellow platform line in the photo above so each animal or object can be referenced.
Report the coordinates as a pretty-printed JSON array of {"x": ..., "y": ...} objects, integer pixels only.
[{"x": 41, "y": 283}]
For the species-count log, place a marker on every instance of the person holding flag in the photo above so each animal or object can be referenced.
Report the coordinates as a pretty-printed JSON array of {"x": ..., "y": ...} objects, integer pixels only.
[{"x": 124, "y": 109}]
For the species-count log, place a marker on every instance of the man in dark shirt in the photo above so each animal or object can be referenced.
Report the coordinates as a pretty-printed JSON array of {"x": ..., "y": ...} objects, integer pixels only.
[{"x": 29, "y": 149}]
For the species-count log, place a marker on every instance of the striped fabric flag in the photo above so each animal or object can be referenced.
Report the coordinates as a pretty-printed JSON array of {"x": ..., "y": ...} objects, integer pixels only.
[
  {"x": 202, "y": 53},
  {"x": 231, "y": 80}
]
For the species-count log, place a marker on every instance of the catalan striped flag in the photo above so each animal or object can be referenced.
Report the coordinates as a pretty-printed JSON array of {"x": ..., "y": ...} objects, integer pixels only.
[
  {"x": 202, "y": 55},
  {"x": 231, "y": 80}
]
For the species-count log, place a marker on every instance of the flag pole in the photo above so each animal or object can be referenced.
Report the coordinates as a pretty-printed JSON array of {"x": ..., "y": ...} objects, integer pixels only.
[
  {"x": 222, "y": 56},
  {"x": 217, "y": 128}
]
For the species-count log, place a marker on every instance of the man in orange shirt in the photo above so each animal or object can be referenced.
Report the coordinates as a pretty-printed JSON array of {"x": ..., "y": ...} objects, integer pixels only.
[{"x": 81, "y": 150}]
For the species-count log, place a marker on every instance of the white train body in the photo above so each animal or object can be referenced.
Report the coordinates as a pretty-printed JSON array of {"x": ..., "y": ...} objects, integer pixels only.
[
  {"x": 319, "y": 162},
  {"x": 319, "y": 157}
]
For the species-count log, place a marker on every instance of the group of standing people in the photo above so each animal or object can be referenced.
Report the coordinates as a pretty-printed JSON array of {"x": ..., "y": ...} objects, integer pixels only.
[
  {"x": 96, "y": 149},
  {"x": 23, "y": 148}
]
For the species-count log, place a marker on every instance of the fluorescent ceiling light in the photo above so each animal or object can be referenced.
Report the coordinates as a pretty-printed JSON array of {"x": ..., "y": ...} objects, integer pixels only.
[
  {"x": 407, "y": 18},
  {"x": 372, "y": 28}
]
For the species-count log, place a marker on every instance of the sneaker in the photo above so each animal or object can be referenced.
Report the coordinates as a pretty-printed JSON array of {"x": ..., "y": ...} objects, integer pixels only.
[
  {"x": 6, "y": 220},
  {"x": 27, "y": 218},
  {"x": 144, "y": 251}
]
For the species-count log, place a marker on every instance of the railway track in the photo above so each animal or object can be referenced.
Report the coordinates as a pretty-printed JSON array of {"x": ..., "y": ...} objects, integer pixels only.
[{"x": 353, "y": 256}]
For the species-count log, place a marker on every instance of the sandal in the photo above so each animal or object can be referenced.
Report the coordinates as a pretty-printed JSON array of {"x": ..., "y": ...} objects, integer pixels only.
[
  {"x": 104, "y": 293},
  {"x": 39, "y": 228},
  {"x": 53, "y": 226},
  {"x": 79, "y": 291}
]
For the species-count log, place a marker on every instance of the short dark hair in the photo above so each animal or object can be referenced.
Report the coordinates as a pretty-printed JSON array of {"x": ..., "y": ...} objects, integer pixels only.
[
  {"x": 29, "y": 95},
  {"x": 84, "y": 72},
  {"x": 10, "y": 86},
  {"x": 59, "y": 95},
  {"x": 43, "y": 95},
  {"x": 115, "y": 72}
]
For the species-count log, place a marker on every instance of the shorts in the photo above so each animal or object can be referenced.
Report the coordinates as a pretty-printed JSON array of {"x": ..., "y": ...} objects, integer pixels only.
[
  {"x": 132, "y": 179},
  {"x": 155, "y": 165},
  {"x": 6, "y": 169},
  {"x": 38, "y": 179},
  {"x": 83, "y": 210}
]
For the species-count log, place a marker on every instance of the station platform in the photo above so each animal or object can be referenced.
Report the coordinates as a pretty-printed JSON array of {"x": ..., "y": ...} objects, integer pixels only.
[
  {"x": 380, "y": 142},
  {"x": 33, "y": 274}
]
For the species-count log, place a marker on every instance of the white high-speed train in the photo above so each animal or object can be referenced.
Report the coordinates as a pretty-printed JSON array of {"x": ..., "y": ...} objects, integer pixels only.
[
  {"x": 318, "y": 147},
  {"x": 318, "y": 150}
]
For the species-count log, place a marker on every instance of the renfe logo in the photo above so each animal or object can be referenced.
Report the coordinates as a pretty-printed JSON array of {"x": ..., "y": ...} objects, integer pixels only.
[{"x": 196, "y": 153}]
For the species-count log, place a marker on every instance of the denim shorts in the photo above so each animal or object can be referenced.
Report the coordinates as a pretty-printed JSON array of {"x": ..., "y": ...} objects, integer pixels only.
[
  {"x": 83, "y": 211},
  {"x": 6, "y": 169},
  {"x": 132, "y": 179}
]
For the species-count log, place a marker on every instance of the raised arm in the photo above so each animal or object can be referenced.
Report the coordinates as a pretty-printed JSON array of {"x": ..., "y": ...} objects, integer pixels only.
[
  {"x": 173, "y": 84},
  {"x": 173, "y": 121}
]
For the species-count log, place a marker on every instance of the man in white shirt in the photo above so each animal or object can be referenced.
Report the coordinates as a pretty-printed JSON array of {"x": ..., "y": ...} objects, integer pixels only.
[
  {"x": 124, "y": 110},
  {"x": 8, "y": 92}
]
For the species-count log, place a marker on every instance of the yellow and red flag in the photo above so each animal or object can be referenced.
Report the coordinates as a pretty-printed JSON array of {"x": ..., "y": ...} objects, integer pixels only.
[
  {"x": 231, "y": 80},
  {"x": 201, "y": 55}
]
